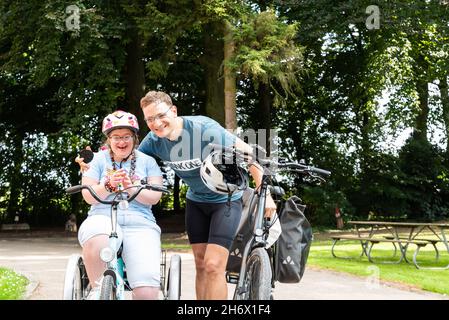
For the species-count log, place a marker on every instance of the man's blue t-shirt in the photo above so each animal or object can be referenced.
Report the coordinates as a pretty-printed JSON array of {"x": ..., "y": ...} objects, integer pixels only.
[
  {"x": 101, "y": 165},
  {"x": 186, "y": 154}
]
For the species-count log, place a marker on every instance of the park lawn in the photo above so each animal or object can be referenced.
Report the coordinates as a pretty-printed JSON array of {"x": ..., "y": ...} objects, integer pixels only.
[
  {"x": 176, "y": 246},
  {"x": 404, "y": 273},
  {"x": 175, "y": 242},
  {"x": 12, "y": 285}
]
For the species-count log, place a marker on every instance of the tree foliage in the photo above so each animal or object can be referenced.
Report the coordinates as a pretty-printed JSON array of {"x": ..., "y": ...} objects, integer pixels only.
[
  {"x": 338, "y": 91},
  {"x": 266, "y": 51}
]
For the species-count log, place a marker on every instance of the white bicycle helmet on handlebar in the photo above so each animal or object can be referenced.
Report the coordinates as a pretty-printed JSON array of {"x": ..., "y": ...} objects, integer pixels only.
[{"x": 221, "y": 174}]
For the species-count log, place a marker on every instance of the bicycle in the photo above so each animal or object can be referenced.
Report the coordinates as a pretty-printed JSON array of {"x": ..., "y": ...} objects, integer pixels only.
[
  {"x": 255, "y": 279},
  {"x": 114, "y": 283}
]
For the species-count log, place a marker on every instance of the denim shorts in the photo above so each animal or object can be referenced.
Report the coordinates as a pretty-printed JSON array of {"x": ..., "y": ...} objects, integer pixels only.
[{"x": 141, "y": 240}]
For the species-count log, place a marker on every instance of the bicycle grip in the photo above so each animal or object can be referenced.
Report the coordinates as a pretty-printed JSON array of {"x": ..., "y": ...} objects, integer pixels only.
[
  {"x": 73, "y": 189},
  {"x": 320, "y": 171},
  {"x": 156, "y": 187}
]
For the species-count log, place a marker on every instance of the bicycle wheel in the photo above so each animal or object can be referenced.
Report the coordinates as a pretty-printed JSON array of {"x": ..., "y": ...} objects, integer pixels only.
[
  {"x": 108, "y": 288},
  {"x": 174, "y": 278},
  {"x": 74, "y": 280},
  {"x": 258, "y": 276},
  {"x": 163, "y": 272}
]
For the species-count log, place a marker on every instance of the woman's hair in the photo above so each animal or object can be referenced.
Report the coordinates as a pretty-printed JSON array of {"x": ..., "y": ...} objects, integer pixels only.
[{"x": 155, "y": 97}]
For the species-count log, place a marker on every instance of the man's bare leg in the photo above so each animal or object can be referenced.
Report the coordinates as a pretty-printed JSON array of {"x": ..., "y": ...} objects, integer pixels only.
[
  {"x": 199, "y": 250},
  {"x": 215, "y": 260}
]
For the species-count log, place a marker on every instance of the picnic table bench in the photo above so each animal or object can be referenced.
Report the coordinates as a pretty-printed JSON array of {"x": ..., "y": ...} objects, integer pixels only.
[{"x": 367, "y": 241}]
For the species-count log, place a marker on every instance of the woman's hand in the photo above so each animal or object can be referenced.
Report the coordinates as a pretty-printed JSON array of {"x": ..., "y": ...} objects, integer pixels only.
[
  {"x": 83, "y": 166},
  {"x": 117, "y": 178},
  {"x": 126, "y": 182}
]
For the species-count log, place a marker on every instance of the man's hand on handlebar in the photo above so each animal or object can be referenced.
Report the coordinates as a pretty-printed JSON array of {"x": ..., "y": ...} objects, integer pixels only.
[{"x": 270, "y": 207}]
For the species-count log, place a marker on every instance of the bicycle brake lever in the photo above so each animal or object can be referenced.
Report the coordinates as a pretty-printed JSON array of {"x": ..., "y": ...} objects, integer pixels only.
[
  {"x": 153, "y": 187},
  {"x": 282, "y": 160}
]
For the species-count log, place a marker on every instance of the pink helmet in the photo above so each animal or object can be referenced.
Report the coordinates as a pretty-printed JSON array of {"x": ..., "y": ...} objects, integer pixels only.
[{"x": 120, "y": 120}]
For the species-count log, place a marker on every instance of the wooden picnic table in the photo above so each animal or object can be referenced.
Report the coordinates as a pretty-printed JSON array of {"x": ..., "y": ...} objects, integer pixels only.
[{"x": 414, "y": 231}]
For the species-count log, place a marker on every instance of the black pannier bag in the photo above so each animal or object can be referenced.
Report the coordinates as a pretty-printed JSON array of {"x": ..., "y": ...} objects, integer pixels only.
[
  {"x": 243, "y": 232},
  {"x": 293, "y": 245}
]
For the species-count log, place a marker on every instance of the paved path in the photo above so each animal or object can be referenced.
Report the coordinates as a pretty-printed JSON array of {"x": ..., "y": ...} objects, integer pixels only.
[{"x": 44, "y": 260}]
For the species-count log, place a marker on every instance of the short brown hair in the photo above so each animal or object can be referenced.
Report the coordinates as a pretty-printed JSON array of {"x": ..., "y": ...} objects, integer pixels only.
[{"x": 155, "y": 97}]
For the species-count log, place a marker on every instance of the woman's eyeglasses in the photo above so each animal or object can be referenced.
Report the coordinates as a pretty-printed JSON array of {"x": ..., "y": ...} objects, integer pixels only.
[{"x": 118, "y": 138}]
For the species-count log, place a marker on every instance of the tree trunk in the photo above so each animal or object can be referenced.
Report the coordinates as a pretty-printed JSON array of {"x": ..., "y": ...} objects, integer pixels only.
[
  {"x": 420, "y": 132},
  {"x": 135, "y": 79},
  {"x": 421, "y": 68},
  {"x": 15, "y": 183},
  {"x": 265, "y": 101},
  {"x": 230, "y": 90},
  {"x": 212, "y": 62},
  {"x": 365, "y": 159}
]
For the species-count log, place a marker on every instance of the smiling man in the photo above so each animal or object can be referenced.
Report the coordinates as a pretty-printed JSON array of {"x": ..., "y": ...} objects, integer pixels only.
[{"x": 212, "y": 216}]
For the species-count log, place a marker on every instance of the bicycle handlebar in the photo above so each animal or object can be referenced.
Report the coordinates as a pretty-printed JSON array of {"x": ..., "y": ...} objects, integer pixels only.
[
  {"x": 74, "y": 189},
  {"x": 143, "y": 185},
  {"x": 305, "y": 168},
  {"x": 232, "y": 150},
  {"x": 269, "y": 162}
]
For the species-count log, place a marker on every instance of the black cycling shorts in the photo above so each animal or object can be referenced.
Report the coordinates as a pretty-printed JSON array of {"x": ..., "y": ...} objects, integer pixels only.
[{"x": 213, "y": 222}]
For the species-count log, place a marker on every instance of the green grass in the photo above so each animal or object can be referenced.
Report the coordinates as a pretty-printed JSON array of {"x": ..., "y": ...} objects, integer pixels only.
[
  {"x": 175, "y": 242},
  {"x": 12, "y": 285},
  {"x": 176, "y": 246},
  {"x": 403, "y": 273}
]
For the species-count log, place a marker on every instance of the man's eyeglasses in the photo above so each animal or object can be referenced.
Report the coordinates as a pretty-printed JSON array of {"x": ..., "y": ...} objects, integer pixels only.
[
  {"x": 158, "y": 116},
  {"x": 118, "y": 138}
]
